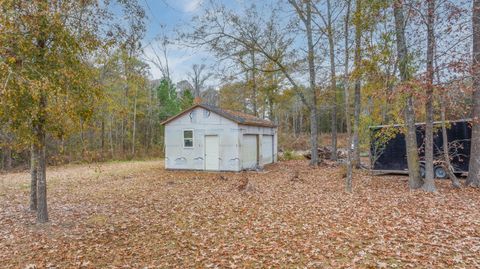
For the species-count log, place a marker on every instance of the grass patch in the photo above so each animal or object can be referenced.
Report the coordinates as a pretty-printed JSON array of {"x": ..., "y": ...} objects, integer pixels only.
[{"x": 290, "y": 155}]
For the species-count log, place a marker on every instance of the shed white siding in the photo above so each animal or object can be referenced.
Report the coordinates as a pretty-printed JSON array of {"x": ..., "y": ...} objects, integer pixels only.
[
  {"x": 203, "y": 123},
  {"x": 235, "y": 146}
]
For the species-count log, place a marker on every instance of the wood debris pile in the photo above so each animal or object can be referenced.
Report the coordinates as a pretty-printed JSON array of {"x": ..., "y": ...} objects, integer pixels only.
[{"x": 326, "y": 153}]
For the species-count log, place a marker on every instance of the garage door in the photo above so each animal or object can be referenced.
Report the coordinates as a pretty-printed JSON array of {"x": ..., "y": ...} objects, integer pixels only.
[
  {"x": 267, "y": 149},
  {"x": 249, "y": 151},
  {"x": 212, "y": 152}
]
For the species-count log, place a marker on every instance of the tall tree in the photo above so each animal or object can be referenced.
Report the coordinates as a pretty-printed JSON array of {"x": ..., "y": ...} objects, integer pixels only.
[
  {"x": 415, "y": 180},
  {"x": 168, "y": 99},
  {"x": 328, "y": 30},
  {"x": 473, "y": 178},
  {"x": 254, "y": 82},
  {"x": 348, "y": 178},
  {"x": 52, "y": 89},
  {"x": 429, "y": 183},
  {"x": 45, "y": 47},
  {"x": 446, "y": 153},
  {"x": 138, "y": 85},
  {"x": 333, "y": 78},
  {"x": 186, "y": 100},
  {"x": 358, "y": 83},
  {"x": 159, "y": 56},
  {"x": 446, "y": 149},
  {"x": 131, "y": 48},
  {"x": 198, "y": 78},
  {"x": 304, "y": 12}
]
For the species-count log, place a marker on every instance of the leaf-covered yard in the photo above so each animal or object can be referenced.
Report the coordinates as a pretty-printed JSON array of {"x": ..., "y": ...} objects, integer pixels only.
[{"x": 136, "y": 214}]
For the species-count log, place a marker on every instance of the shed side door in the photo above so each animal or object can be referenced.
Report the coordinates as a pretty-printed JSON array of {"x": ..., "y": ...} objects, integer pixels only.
[
  {"x": 267, "y": 149},
  {"x": 212, "y": 153}
]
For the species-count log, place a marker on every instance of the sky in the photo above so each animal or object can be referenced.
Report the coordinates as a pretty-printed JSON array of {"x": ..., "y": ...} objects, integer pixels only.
[{"x": 165, "y": 17}]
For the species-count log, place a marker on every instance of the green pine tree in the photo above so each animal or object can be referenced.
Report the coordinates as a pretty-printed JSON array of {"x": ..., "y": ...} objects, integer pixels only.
[
  {"x": 186, "y": 100},
  {"x": 168, "y": 100}
]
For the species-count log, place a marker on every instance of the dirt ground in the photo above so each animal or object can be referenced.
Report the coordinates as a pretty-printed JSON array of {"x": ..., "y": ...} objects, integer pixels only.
[{"x": 137, "y": 215}]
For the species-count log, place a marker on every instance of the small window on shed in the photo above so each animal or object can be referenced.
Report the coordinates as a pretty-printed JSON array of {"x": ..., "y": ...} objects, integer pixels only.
[{"x": 188, "y": 138}]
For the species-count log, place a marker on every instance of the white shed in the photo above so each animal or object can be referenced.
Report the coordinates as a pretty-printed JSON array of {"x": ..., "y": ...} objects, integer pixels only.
[{"x": 205, "y": 137}]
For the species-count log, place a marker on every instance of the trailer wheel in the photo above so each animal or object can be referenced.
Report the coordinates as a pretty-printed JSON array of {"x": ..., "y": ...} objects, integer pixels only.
[{"x": 440, "y": 172}]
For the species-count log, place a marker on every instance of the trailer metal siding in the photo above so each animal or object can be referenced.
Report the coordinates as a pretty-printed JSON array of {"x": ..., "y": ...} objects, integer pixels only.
[{"x": 394, "y": 158}]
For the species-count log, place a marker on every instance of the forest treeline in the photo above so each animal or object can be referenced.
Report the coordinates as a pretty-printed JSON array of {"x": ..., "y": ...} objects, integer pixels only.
[{"x": 76, "y": 81}]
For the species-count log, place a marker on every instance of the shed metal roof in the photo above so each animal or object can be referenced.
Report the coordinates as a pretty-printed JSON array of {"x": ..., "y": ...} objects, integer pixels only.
[{"x": 235, "y": 116}]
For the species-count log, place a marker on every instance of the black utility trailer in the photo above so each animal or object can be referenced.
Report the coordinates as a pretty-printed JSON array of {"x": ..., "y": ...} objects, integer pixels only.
[{"x": 388, "y": 152}]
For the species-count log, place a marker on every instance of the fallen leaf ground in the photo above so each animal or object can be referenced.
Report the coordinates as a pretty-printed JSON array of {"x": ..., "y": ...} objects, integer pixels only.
[{"x": 136, "y": 214}]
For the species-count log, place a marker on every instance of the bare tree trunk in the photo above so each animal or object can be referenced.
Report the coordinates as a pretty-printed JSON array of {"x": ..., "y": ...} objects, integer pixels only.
[
  {"x": 149, "y": 129},
  {"x": 124, "y": 120},
  {"x": 62, "y": 145},
  {"x": 112, "y": 150},
  {"x": 33, "y": 178},
  {"x": 473, "y": 178},
  {"x": 415, "y": 181},
  {"x": 82, "y": 137},
  {"x": 314, "y": 136},
  {"x": 254, "y": 84},
  {"x": 333, "y": 81},
  {"x": 429, "y": 183},
  {"x": 348, "y": 179},
  {"x": 295, "y": 121},
  {"x": 244, "y": 93},
  {"x": 126, "y": 100},
  {"x": 40, "y": 151},
  {"x": 102, "y": 138},
  {"x": 446, "y": 154},
  {"x": 42, "y": 212},
  {"x": 134, "y": 129},
  {"x": 2, "y": 161},
  {"x": 7, "y": 153},
  {"x": 150, "y": 133},
  {"x": 271, "y": 110},
  {"x": 6, "y": 161},
  {"x": 311, "y": 68},
  {"x": 116, "y": 143},
  {"x": 443, "y": 119},
  {"x": 302, "y": 125},
  {"x": 387, "y": 105},
  {"x": 357, "y": 97},
  {"x": 122, "y": 134},
  {"x": 39, "y": 146}
]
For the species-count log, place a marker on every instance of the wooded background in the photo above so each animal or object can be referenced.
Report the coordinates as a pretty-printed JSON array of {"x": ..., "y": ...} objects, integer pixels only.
[
  {"x": 122, "y": 117},
  {"x": 76, "y": 86}
]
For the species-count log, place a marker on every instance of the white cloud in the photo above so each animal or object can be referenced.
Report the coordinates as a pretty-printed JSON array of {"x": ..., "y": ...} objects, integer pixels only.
[
  {"x": 191, "y": 5},
  {"x": 187, "y": 6}
]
